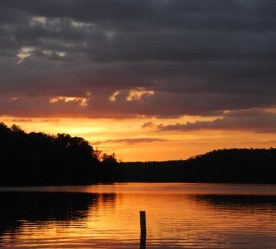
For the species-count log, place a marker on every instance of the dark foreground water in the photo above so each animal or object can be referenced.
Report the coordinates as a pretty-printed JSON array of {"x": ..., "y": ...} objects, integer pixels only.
[{"x": 107, "y": 216}]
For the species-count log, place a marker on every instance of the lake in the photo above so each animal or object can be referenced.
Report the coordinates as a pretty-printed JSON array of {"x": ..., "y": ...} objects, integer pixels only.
[{"x": 179, "y": 215}]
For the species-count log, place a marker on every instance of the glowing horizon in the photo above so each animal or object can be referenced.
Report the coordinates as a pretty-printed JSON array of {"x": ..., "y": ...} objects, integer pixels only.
[
  {"x": 147, "y": 80},
  {"x": 135, "y": 140}
]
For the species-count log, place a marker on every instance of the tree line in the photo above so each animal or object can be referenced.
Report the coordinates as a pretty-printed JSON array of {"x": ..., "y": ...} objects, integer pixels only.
[
  {"x": 42, "y": 159},
  {"x": 218, "y": 166}
]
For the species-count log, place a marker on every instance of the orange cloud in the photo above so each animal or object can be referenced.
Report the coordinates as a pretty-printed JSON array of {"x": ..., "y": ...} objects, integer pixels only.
[
  {"x": 138, "y": 94},
  {"x": 82, "y": 101}
]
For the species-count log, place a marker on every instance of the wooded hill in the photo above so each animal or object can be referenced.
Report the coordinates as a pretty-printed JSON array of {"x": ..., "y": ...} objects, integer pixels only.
[
  {"x": 226, "y": 165},
  {"x": 41, "y": 159}
]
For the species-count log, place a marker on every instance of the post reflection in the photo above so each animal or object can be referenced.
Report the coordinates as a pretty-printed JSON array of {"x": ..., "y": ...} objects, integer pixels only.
[{"x": 143, "y": 240}]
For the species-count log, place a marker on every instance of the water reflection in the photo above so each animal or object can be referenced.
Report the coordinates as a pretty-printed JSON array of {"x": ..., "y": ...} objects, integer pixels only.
[
  {"x": 44, "y": 208},
  {"x": 240, "y": 201},
  {"x": 179, "y": 216}
]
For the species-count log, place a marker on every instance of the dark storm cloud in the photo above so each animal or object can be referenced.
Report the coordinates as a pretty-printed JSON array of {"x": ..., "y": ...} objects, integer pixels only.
[
  {"x": 198, "y": 57},
  {"x": 153, "y": 14}
]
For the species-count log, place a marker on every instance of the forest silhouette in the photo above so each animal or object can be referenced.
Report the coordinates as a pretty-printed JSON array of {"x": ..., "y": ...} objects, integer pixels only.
[
  {"x": 218, "y": 166},
  {"x": 42, "y": 159}
]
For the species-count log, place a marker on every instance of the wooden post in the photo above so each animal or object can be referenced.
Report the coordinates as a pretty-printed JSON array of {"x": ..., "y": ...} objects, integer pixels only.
[{"x": 143, "y": 228}]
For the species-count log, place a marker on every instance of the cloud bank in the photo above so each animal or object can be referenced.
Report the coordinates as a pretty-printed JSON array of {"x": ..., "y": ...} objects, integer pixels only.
[
  {"x": 253, "y": 121},
  {"x": 126, "y": 58}
]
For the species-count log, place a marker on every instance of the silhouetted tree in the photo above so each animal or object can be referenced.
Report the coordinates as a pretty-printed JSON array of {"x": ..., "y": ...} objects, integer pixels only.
[
  {"x": 109, "y": 170},
  {"x": 38, "y": 158}
]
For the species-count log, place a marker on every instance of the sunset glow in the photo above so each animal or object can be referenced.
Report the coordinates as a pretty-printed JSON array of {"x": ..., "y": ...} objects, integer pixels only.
[
  {"x": 134, "y": 140},
  {"x": 149, "y": 80},
  {"x": 129, "y": 124}
]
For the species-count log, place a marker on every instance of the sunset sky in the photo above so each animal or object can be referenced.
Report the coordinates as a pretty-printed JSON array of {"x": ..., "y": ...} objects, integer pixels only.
[{"x": 145, "y": 79}]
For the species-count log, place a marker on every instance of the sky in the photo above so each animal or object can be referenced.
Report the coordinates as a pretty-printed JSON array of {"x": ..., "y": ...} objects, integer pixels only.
[{"x": 146, "y": 80}]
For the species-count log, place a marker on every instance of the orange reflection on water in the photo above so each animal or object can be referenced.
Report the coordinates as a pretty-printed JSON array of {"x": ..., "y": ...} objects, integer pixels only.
[{"x": 107, "y": 216}]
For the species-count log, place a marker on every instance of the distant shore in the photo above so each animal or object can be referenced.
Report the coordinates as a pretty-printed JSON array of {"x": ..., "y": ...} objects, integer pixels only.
[
  {"x": 219, "y": 166},
  {"x": 38, "y": 159}
]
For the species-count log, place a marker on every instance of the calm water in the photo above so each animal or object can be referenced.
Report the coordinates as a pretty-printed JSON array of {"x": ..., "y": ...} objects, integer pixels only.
[{"x": 107, "y": 216}]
